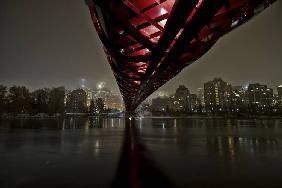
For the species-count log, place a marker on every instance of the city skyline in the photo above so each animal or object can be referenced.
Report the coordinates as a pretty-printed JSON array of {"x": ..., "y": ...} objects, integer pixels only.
[
  {"x": 216, "y": 96},
  {"x": 60, "y": 50},
  {"x": 102, "y": 87}
]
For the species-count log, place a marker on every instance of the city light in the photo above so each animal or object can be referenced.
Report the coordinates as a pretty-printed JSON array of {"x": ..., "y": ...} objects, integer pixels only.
[
  {"x": 101, "y": 85},
  {"x": 162, "y": 94},
  {"x": 246, "y": 86},
  {"x": 235, "y": 23},
  {"x": 83, "y": 82}
]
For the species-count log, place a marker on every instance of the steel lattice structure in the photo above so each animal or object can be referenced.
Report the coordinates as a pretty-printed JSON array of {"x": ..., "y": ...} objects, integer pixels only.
[{"x": 148, "y": 42}]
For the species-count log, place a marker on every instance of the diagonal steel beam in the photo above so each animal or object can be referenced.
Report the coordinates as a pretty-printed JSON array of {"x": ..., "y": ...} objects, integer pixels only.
[
  {"x": 115, "y": 13},
  {"x": 178, "y": 16},
  {"x": 201, "y": 18}
]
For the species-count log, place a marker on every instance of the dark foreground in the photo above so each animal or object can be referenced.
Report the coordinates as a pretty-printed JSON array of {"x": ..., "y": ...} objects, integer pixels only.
[{"x": 141, "y": 153}]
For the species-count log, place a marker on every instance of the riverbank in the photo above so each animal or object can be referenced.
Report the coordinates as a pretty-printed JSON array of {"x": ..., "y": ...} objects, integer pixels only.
[
  {"x": 61, "y": 116},
  {"x": 30, "y": 116}
]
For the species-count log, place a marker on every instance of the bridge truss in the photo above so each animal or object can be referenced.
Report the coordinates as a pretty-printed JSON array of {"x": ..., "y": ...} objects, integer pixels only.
[{"x": 148, "y": 42}]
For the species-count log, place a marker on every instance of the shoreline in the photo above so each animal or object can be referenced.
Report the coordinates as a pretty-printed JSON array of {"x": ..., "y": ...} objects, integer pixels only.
[{"x": 62, "y": 116}]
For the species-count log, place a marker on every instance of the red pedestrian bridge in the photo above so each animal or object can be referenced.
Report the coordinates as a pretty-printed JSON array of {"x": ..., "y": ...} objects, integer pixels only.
[{"x": 148, "y": 42}]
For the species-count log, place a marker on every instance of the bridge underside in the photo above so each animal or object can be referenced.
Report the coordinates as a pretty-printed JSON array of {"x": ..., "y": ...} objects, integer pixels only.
[{"x": 148, "y": 42}]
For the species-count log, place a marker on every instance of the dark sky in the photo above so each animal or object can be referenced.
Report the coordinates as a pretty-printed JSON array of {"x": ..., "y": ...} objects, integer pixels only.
[{"x": 45, "y": 43}]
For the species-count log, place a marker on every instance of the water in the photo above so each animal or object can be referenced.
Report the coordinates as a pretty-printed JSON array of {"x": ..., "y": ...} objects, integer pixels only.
[{"x": 190, "y": 152}]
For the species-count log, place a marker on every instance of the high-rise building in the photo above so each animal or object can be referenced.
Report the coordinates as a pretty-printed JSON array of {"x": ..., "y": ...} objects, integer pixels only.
[
  {"x": 84, "y": 84},
  {"x": 76, "y": 101},
  {"x": 111, "y": 100},
  {"x": 103, "y": 93},
  {"x": 279, "y": 90},
  {"x": 260, "y": 97},
  {"x": 181, "y": 100},
  {"x": 66, "y": 96},
  {"x": 89, "y": 94},
  {"x": 217, "y": 95},
  {"x": 279, "y": 97},
  {"x": 160, "y": 104},
  {"x": 239, "y": 99},
  {"x": 100, "y": 105},
  {"x": 114, "y": 101},
  {"x": 201, "y": 96},
  {"x": 241, "y": 94},
  {"x": 195, "y": 102}
]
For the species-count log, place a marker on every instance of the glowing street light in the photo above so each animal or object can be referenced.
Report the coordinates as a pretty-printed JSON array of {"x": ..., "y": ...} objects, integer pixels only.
[
  {"x": 101, "y": 85},
  {"x": 83, "y": 82}
]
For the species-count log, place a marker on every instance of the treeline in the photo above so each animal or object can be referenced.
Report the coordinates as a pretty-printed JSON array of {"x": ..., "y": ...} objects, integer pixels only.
[{"x": 19, "y": 100}]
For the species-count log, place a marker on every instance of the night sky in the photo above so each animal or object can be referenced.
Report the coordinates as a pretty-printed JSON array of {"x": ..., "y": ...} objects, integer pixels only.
[{"x": 52, "y": 43}]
